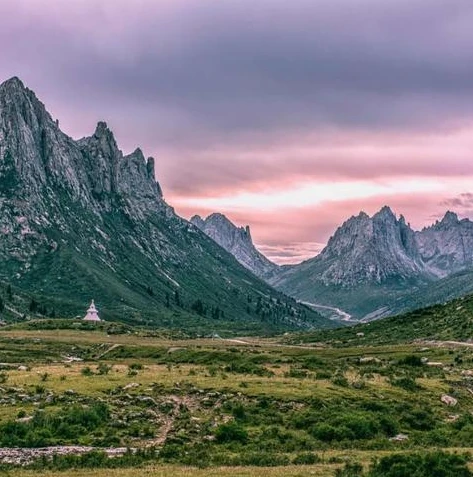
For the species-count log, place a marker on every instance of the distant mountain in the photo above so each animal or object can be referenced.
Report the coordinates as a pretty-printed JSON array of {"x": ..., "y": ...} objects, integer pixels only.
[
  {"x": 447, "y": 246},
  {"x": 377, "y": 266},
  {"x": 237, "y": 241},
  {"x": 81, "y": 220}
]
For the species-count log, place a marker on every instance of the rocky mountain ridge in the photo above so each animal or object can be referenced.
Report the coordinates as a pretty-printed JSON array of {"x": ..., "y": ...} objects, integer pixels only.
[
  {"x": 237, "y": 241},
  {"x": 81, "y": 220},
  {"x": 371, "y": 264},
  {"x": 447, "y": 246}
]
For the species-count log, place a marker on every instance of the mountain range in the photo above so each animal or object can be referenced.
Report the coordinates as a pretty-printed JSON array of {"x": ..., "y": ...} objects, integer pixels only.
[
  {"x": 372, "y": 266},
  {"x": 79, "y": 219},
  {"x": 378, "y": 266}
]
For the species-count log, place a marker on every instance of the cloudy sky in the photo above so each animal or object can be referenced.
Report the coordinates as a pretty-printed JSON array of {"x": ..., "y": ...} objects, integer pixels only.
[{"x": 286, "y": 115}]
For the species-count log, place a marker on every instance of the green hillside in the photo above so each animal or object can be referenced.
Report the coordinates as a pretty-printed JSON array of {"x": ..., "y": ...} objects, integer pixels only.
[{"x": 450, "y": 321}]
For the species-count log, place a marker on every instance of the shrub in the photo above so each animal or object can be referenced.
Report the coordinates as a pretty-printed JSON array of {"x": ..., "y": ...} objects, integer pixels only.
[
  {"x": 340, "y": 380},
  {"x": 323, "y": 375},
  {"x": 411, "y": 360},
  {"x": 103, "y": 369},
  {"x": 327, "y": 433},
  {"x": 351, "y": 470},
  {"x": 362, "y": 427},
  {"x": 136, "y": 366},
  {"x": 238, "y": 412},
  {"x": 406, "y": 383},
  {"x": 438, "y": 464},
  {"x": 296, "y": 373},
  {"x": 420, "y": 419},
  {"x": 306, "y": 458},
  {"x": 231, "y": 432}
]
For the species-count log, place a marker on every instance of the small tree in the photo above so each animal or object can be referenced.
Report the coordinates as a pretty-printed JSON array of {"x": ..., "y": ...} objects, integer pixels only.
[
  {"x": 198, "y": 307},
  {"x": 33, "y": 306},
  {"x": 177, "y": 299}
]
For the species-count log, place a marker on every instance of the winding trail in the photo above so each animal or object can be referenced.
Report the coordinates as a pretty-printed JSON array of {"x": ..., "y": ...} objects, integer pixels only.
[
  {"x": 344, "y": 316},
  {"x": 446, "y": 343}
]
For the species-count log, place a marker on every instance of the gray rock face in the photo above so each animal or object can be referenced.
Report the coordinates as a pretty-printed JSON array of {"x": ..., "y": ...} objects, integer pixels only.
[
  {"x": 447, "y": 246},
  {"x": 42, "y": 170},
  {"x": 237, "y": 241},
  {"x": 379, "y": 248},
  {"x": 370, "y": 249}
]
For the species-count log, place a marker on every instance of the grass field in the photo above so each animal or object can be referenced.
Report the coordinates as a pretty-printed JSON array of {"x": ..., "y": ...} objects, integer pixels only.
[{"x": 239, "y": 407}]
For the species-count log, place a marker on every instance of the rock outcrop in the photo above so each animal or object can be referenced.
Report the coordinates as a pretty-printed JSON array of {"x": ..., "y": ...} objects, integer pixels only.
[
  {"x": 447, "y": 246},
  {"x": 370, "y": 249},
  {"x": 237, "y": 241}
]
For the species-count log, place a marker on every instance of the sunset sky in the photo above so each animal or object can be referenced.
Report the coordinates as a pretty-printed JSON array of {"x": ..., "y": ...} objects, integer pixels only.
[{"x": 289, "y": 116}]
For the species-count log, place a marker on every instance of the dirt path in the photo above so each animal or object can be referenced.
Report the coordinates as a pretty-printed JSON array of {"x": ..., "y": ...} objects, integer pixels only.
[
  {"x": 270, "y": 345},
  {"x": 445, "y": 343},
  {"x": 115, "y": 346},
  {"x": 166, "y": 428}
]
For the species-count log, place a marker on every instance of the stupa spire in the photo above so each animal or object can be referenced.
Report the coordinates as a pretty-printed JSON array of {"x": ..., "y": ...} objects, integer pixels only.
[{"x": 92, "y": 313}]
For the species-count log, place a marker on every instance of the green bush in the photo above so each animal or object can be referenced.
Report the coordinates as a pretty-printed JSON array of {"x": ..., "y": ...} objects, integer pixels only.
[
  {"x": 87, "y": 371},
  {"x": 340, "y": 380},
  {"x": 437, "y": 464},
  {"x": 231, "y": 432},
  {"x": 407, "y": 383},
  {"x": 306, "y": 458},
  {"x": 54, "y": 428},
  {"x": 411, "y": 360},
  {"x": 136, "y": 366},
  {"x": 351, "y": 470}
]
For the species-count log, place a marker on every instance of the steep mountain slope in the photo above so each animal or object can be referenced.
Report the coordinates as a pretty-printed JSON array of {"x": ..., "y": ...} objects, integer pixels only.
[
  {"x": 377, "y": 266},
  {"x": 79, "y": 219},
  {"x": 237, "y": 241}
]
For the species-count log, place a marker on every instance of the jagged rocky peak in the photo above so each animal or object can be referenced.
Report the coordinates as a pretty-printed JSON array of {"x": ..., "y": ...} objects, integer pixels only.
[
  {"x": 92, "y": 170},
  {"x": 18, "y": 103},
  {"x": 370, "y": 249},
  {"x": 198, "y": 221},
  {"x": 450, "y": 218},
  {"x": 236, "y": 240},
  {"x": 223, "y": 231},
  {"x": 105, "y": 139},
  {"x": 150, "y": 167},
  {"x": 137, "y": 177},
  {"x": 33, "y": 150},
  {"x": 447, "y": 246},
  {"x": 385, "y": 213},
  {"x": 14, "y": 88}
]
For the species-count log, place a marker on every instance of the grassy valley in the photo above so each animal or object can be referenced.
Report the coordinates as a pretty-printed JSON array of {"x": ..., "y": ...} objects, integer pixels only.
[{"x": 173, "y": 406}]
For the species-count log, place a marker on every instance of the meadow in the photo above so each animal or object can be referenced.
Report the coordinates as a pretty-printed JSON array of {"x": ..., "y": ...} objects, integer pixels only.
[{"x": 240, "y": 407}]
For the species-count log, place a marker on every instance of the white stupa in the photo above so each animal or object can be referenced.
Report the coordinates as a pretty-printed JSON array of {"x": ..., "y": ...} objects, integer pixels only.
[{"x": 92, "y": 313}]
